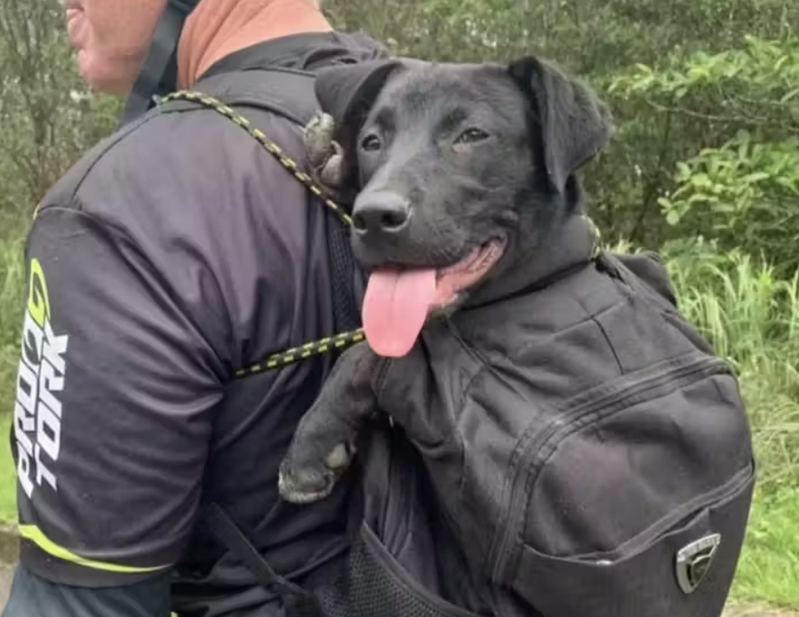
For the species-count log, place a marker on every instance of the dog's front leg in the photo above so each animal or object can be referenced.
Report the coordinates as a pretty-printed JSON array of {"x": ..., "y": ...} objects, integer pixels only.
[{"x": 324, "y": 443}]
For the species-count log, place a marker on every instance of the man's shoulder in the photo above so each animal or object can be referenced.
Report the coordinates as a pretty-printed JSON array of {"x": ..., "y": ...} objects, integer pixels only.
[
  {"x": 191, "y": 168},
  {"x": 196, "y": 198}
]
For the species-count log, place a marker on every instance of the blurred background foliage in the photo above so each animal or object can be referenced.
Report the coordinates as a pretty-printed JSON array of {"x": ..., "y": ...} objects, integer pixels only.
[{"x": 704, "y": 167}]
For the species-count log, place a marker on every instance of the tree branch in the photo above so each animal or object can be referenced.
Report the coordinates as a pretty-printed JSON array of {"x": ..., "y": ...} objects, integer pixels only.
[{"x": 723, "y": 119}]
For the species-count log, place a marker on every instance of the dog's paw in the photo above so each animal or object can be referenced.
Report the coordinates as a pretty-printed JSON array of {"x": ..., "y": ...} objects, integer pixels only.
[
  {"x": 319, "y": 138},
  {"x": 331, "y": 172},
  {"x": 324, "y": 153},
  {"x": 308, "y": 482}
]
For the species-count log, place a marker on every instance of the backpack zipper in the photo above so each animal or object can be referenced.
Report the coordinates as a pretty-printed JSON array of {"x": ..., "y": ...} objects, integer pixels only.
[{"x": 558, "y": 429}]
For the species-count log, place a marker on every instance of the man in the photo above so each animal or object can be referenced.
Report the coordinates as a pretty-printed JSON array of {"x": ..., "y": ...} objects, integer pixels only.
[{"x": 173, "y": 255}]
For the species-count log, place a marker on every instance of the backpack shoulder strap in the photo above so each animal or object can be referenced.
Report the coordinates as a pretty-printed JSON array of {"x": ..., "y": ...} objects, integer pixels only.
[
  {"x": 285, "y": 92},
  {"x": 290, "y": 94},
  {"x": 302, "y": 602}
]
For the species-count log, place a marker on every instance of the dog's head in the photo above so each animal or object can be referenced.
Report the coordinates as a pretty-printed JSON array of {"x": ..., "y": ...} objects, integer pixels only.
[{"x": 459, "y": 169}]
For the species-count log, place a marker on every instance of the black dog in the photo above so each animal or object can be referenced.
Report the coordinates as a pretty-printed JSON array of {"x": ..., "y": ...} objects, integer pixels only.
[{"x": 465, "y": 187}]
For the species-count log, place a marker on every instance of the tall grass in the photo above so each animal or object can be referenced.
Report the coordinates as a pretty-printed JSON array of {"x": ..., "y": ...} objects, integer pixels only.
[
  {"x": 12, "y": 273},
  {"x": 12, "y": 279}
]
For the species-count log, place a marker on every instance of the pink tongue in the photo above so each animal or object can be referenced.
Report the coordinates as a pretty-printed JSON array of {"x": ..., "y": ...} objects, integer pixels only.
[{"x": 395, "y": 308}]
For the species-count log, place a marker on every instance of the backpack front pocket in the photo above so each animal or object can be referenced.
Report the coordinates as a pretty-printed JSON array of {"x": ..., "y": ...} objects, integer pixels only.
[{"x": 680, "y": 567}]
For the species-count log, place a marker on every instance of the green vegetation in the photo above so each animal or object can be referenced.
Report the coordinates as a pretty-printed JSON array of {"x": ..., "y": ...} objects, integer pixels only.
[
  {"x": 769, "y": 568},
  {"x": 8, "y": 500},
  {"x": 11, "y": 302},
  {"x": 704, "y": 168},
  {"x": 11, "y": 291}
]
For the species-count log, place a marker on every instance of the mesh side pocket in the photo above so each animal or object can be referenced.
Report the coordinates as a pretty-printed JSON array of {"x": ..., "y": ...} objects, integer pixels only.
[{"x": 375, "y": 585}]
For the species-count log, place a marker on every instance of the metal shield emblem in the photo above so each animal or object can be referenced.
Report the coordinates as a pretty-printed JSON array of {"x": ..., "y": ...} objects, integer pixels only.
[{"x": 694, "y": 562}]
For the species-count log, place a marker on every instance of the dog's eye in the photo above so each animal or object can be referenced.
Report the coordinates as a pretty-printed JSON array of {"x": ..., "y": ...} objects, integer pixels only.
[
  {"x": 370, "y": 143},
  {"x": 471, "y": 135}
]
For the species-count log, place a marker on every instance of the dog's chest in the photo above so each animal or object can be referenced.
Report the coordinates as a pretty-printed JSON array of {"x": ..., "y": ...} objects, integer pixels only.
[{"x": 425, "y": 389}]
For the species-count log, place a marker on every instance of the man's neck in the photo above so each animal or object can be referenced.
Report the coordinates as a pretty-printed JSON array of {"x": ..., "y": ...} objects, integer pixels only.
[{"x": 217, "y": 28}]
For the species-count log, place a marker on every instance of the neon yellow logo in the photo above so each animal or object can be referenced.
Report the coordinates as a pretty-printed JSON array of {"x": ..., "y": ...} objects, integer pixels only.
[
  {"x": 40, "y": 381},
  {"x": 38, "y": 300}
]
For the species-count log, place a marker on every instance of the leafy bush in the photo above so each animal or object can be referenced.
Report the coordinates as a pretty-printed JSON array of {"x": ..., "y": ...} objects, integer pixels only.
[
  {"x": 741, "y": 187},
  {"x": 704, "y": 165},
  {"x": 11, "y": 308},
  {"x": 47, "y": 115}
]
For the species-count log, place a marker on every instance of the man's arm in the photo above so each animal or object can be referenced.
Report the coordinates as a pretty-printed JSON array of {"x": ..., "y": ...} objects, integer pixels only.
[{"x": 111, "y": 424}]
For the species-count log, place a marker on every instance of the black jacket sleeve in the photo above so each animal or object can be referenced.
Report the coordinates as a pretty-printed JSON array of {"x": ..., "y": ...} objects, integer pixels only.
[
  {"x": 137, "y": 273},
  {"x": 116, "y": 388}
]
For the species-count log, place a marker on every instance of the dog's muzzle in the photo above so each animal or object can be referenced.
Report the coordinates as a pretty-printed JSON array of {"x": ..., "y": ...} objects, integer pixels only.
[{"x": 379, "y": 215}]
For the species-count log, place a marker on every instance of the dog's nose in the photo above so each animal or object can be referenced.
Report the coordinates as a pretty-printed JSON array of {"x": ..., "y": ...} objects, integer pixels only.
[{"x": 381, "y": 213}]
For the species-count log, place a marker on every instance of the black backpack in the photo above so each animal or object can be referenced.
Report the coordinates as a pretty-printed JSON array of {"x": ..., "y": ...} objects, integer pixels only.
[{"x": 672, "y": 436}]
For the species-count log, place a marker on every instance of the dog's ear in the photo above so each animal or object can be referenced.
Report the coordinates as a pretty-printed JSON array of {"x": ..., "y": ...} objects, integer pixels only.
[
  {"x": 347, "y": 93},
  {"x": 575, "y": 125}
]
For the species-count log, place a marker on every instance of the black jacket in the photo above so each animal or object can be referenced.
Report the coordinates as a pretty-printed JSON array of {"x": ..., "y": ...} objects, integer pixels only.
[{"x": 172, "y": 255}]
